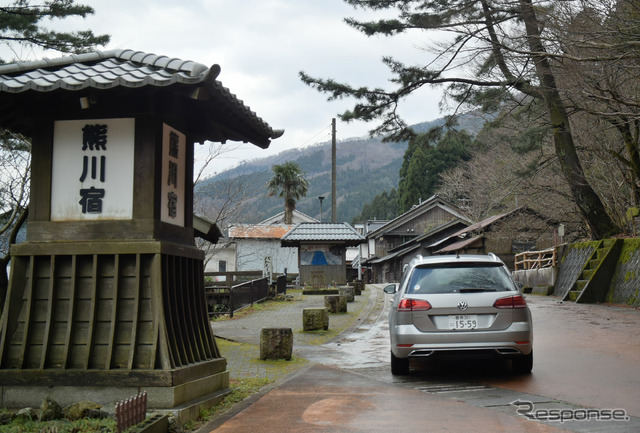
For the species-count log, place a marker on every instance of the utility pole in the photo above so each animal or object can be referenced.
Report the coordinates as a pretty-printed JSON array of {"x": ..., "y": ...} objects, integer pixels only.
[{"x": 334, "y": 210}]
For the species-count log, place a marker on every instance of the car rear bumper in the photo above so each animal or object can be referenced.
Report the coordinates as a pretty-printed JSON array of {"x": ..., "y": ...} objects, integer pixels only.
[{"x": 408, "y": 342}]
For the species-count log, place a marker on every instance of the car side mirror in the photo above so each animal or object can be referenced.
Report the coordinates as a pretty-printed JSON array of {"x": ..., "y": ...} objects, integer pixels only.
[
  {"x": 519, "y": 286},
  {"x": 390, "y": 289}
]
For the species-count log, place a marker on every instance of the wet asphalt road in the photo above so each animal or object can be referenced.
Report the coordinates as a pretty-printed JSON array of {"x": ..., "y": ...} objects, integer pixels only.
[{"x": 585, "y": 357}]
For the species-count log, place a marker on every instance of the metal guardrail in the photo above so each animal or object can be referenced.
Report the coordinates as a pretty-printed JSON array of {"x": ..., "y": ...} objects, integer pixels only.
[
  {"x": 229, "y": 279},
  {"x": 220, "y": 294},
  {"x": 246, "y": 294},
  {"x": 536, "y": 259},
  {"x": 223, "y": 300}
]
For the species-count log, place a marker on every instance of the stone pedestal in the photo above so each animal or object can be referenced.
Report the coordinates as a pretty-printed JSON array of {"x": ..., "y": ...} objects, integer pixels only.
[
  {"x": 349, "y": 292},
  {"x": 336, "y": 303},
  {"x": 314, "y": 319},
  {"x": 276, "y": 343}
]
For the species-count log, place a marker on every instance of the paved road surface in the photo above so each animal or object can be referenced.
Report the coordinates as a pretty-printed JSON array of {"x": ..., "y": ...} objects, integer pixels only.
[{"x": 586, "y": 356}]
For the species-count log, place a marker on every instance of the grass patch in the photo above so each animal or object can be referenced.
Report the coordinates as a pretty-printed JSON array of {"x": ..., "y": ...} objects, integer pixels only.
[
  {"x": 107, "y": 425},
  {"x": 273, "y": 369}
]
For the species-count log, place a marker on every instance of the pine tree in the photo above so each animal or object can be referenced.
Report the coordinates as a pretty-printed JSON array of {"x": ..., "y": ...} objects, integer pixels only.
[
  {"x": 21, "y": 23},
  {"x": 494, "y": 51}
]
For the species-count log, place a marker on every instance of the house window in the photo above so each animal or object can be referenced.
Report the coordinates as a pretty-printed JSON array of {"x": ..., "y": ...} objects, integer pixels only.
[{"x": 222, "y": 266}]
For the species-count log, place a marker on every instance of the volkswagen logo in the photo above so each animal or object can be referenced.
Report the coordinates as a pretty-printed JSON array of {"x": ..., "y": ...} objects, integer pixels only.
[{"x": 462, "y": 305}]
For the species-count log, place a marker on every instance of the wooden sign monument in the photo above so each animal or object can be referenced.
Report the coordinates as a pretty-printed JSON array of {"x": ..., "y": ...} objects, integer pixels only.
[{"x": 106, "y": 296}]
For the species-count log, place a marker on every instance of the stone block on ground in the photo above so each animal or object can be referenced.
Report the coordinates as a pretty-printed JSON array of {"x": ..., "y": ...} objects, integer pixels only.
[
  {"x": 276, "y": 343},
  {"x": 358, "y": 286},
  {"x": 356, "y": 290},
  {"x": 314, "y": 319},
  {"x": 320, "y": 291},
  {"x": 336, "y": 303},
  {"x": 349, "y": 292}
]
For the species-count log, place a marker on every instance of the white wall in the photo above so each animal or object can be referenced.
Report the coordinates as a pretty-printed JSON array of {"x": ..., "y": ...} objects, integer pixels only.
[
  {"x": 251, "y": 253},
  {"x": 225, "y": 252}
]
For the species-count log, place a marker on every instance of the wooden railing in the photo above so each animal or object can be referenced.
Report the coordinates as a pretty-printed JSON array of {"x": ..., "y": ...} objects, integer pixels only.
[
  {"x": 536, "y": 259},
  {"x": 131, "y": 411}
]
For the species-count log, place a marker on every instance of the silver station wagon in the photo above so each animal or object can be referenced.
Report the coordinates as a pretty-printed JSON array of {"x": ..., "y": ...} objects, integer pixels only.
[{"x": 459, "y": 306}]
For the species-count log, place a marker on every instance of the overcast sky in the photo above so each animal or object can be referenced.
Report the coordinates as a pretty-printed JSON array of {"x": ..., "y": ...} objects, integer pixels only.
[{"x": 261, "y": 45}]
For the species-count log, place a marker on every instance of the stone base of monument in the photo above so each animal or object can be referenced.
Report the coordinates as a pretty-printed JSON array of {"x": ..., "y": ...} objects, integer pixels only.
[
  {"x": 184, "y": 392},
  {"x": 276, "y": 343}
]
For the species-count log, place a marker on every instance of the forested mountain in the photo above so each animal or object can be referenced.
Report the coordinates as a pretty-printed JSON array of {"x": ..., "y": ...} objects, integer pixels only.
[{"x": 366, "y": 167}]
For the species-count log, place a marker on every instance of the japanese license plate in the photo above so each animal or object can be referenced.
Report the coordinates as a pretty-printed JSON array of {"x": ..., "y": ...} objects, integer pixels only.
[{"x": 465, "y": 321}]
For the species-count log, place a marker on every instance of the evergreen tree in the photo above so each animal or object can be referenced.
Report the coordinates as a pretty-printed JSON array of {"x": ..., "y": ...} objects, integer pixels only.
[
  {"x": 497, "y": 50},
  {"x": 424, "y": 162},
  {"x": 383, "y": 207},
  {"x": 21, "y": 24}
]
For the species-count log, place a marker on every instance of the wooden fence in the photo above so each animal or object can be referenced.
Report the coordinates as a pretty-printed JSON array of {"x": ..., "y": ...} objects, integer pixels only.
[
  {"x": 536, "y": 259},
  {"x": 131, "y": 411}
]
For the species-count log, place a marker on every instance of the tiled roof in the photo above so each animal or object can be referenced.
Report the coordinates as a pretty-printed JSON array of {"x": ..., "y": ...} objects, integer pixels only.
[
  {"x": 259, "y": 231},
  {"x": 323, "y": 232},
  {"x": 129, "y": 69},
  {"x": 100, "y": 70}
]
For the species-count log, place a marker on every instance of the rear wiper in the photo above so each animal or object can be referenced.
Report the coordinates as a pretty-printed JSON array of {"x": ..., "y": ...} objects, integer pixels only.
[{"x": 475, "y": 290}]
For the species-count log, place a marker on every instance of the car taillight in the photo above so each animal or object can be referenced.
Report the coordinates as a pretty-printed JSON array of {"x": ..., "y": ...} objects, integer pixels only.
[
  {"x": 413, "y": 305},
  {"x": 515, "y": 301}
]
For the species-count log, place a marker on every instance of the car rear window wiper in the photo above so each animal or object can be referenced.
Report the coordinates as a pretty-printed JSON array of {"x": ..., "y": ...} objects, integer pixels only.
[{"x": 476, "y": 289}]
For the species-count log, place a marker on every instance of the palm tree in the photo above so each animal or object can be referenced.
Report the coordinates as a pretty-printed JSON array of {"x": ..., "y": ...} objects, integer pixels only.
[{"x": 288, "y": 182}]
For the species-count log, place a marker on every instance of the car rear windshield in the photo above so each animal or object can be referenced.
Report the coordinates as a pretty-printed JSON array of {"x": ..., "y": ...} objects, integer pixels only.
[{"x": 460, "y": 278}]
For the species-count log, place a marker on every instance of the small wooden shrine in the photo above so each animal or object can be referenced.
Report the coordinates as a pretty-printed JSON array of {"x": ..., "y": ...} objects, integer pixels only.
[{"x": 106, "y": 296}]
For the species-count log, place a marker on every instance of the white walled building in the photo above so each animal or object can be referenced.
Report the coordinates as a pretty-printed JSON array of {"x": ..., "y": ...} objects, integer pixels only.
[{"x": 256, "y": 242}]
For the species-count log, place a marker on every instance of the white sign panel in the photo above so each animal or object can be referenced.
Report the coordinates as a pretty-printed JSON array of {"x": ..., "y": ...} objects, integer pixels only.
[
  {"x": 92, "y": 169},
  {"x": 174, "y": 155},
  {"x": 267, "y": 271}
]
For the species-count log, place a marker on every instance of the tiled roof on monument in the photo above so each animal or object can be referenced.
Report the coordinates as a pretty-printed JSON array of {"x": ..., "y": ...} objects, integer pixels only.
[
  {"x": 215, "y": 113},
  {"x": 322, "y": 233}
]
